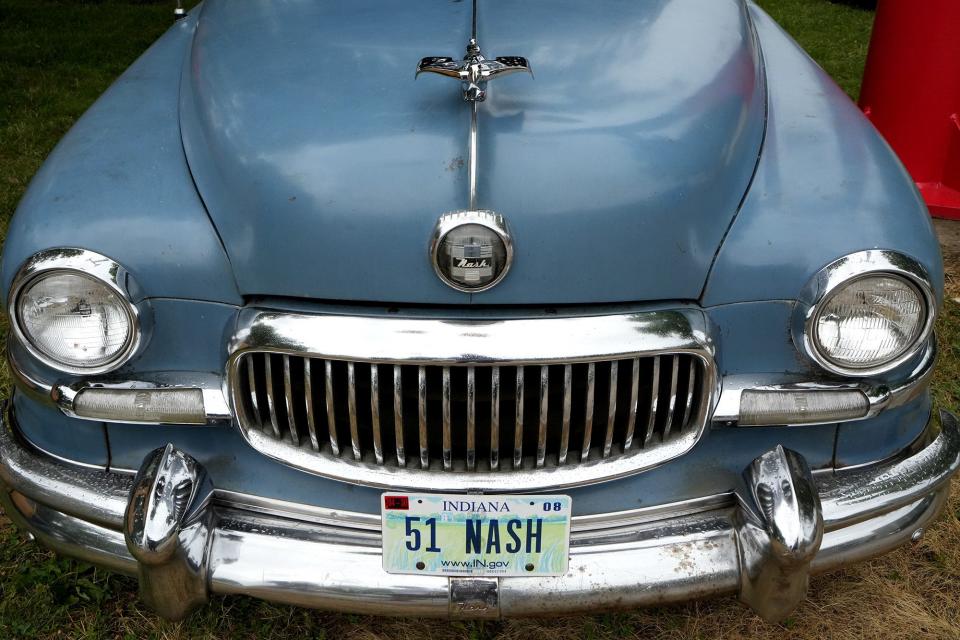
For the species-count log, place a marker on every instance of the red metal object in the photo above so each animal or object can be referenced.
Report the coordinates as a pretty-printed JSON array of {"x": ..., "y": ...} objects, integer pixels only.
[{"x": 911, "y": 92}]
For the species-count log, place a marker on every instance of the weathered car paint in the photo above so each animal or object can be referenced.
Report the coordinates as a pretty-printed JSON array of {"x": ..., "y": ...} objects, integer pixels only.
[
  {"x": 827, "y": 185},
  {"x": 619, "y": 167},
  {"x": 884, "y": 436},
  {"x": 752, "y": 336},
  {"x": 43, "y": 426},
  {"x": 118, "y": 184}
]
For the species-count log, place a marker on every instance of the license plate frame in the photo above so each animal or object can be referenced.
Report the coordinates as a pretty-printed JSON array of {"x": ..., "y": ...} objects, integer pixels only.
[{"x": 475, "y": 535}]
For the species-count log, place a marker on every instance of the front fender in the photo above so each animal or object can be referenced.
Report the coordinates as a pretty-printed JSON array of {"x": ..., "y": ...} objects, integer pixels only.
[
  {"x": 118, "y": 184},
  {"x": 827, "y": 185}
]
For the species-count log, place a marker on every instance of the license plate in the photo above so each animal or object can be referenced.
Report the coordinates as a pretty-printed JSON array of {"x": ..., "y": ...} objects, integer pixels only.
[{"x": 473, "y": 535}]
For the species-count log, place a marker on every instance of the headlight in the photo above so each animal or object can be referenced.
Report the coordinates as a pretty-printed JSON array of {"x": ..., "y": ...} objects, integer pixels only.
[
  {"x": 873, "y": 311},
  {"x": 869, "y": 322},
  {"x": 73, "y": 318}
]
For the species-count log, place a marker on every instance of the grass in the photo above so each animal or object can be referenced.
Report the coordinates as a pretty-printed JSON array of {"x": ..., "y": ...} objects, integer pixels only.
[{"x": 57, "y": 57}]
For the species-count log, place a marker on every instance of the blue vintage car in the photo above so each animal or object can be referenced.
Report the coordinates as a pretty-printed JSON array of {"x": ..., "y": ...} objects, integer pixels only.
[{"x": 427, "y": 308}]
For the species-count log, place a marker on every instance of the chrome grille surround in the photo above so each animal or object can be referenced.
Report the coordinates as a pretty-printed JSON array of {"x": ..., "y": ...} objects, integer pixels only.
[{"x": 521, "y": 403}]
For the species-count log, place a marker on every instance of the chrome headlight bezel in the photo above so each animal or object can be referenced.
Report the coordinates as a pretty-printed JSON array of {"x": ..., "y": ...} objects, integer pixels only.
[
  {"x": 845, "y": 271},
  {"x": 90, "y": 265}
]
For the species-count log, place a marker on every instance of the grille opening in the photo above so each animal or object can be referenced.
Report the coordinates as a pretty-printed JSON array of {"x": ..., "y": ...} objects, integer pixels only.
[{"x": 594, "y": 410}]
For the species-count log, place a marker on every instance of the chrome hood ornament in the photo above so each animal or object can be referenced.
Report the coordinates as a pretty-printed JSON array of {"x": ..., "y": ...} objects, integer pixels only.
[
  {"x": 474, "y": 71},
  {"x": 472, "y": 250}
]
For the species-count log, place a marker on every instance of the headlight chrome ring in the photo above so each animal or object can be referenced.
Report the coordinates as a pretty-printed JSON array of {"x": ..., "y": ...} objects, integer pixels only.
[
  {"x": 100, "y": 271},
  {"x": 885, "y": 267}
]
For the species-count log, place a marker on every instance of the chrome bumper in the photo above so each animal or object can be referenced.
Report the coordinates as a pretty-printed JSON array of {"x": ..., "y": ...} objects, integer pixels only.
[{"x": 184, "y": 539}]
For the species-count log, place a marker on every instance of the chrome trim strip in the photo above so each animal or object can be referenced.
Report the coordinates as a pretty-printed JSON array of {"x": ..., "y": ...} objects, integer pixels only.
[
  {"x": 254, "y": 401},
  {"x": 847, "y": 269},
  {"x": 527, "y": 341},
  {"x": 634, "y": 399},
  {"x": 308, "y": 392},
  {"x": 654, "y": 401},
  {"x": 271, "y": 399},
  {"x": 375, "y": 413},
  {"x": 447, "y": 450},
  {"x": 588, "y": 419},
  {"x": 288, "y": 395},
  {"x": 331, "y": 416},
  {"x": 672, "y": 405},
  {"x": 544, "y": 414},
  {"x": 352, "y": 410},
  {"x": 518, "y": 423},
  {"x": 398, "y": 415},
  {"x": 471, "y": 419},
  {"x": 611, "y": 409},
  {"x": 97, "y": 267},
  {"x": 567, "y": 406},
  {"x": 472, "y": 155},
  {"x": 495, "y": 418},
  {"x": 422, "y": 408},
  {"x": 688, "y": 407}
]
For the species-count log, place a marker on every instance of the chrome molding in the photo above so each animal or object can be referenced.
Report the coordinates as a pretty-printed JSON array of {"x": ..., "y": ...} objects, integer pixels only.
[
  {"x": 412, "y": 341},
  {"x": 881, "y": 395},
  {"x": 845, "y": 270},
  {"x": 92, "y": 265},
  {"x": 763, "y": 545}
]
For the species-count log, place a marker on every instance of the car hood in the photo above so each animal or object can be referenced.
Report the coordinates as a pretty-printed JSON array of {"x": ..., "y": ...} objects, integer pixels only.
[{"x": 324, "y": 163}]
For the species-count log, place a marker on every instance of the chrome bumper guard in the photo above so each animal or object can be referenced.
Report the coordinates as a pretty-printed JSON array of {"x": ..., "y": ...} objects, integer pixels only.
[{"x": 171, "y": 527}]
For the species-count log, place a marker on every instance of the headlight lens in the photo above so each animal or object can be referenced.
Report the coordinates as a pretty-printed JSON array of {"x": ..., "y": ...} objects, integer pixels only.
[
  {"x": 74, "y": 320},
  {"x": 869, "y": 322}
]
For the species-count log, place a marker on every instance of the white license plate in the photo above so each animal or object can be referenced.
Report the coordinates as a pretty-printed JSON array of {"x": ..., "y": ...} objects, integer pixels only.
[{"x": 474, "y": 535}]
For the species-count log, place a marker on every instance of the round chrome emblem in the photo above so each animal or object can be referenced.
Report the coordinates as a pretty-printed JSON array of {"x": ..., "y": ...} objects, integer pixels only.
[{"x": 471, "y": 250}]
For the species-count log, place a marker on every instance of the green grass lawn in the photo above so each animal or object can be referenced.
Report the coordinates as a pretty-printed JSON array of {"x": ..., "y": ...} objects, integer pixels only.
[{"x": 57, "y": 57}]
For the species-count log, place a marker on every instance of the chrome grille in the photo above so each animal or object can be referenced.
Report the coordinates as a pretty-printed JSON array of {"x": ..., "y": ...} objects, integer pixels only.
[{"x": 472, "y": 418}]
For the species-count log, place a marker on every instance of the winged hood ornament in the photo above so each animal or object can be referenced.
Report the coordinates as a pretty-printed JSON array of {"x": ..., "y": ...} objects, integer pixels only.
[{"x": 474, "y": 71}]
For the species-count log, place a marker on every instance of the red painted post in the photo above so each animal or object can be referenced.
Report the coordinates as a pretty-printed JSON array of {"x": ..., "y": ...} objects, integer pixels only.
[{"x": 911, "y": 92}]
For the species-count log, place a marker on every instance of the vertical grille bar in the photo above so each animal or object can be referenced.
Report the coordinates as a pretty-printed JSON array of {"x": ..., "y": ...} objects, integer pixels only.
[
  {"x": 447, "y": 427},
  {"x": 567, "y": 405},
  {"x": 331, "y": 417},
  {"x": 495, "y": 418},
  {"x": 398, "y": 415},
  {"x": 252, "y": 383},
  {"x": 518, "y": 425},
  {"x": 422, "y": 416},
  {"x": 588, "y": 411},
  {"x": 611, "y": 410},
  {"x": 544, "y": 409},
  {"x": 634, "y": 398},
  {"x": 271, "y": 397},
  {"x": 471, "y": 419},
  {"x": 654, "y": 400},
  {"x": 308, "y": 392},
  {"x": 691, "y": 383},
  {"x": 375, "y": 412},
  {"x": 288, "y": 398},
  {"x": 352, "y": 409},
  {"x": 672, "y": 402}
]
